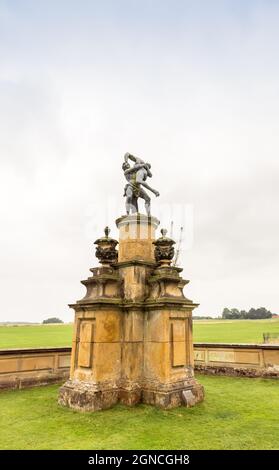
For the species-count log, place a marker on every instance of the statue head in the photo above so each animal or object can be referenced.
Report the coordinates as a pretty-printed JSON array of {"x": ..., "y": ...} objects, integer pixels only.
[
  {"x": 147, "y": 166},
  {"x": 125, "y": 166}
]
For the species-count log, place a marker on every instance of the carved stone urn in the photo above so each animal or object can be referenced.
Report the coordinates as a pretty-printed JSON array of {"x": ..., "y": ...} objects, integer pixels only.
[
  {"x": 164, "y": 249},
  {"x": 106, "y": 249}
]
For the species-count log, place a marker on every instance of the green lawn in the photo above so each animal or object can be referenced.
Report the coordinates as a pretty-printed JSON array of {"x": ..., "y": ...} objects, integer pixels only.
[
  {"x": 238, "y": 413},
  {"x": 35, "y": 336},
  {"x": 233, "y": 331},
  {"x": 215, "y": 331}
]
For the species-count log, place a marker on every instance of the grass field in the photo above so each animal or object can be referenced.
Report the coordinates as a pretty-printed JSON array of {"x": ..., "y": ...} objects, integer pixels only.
[
  {"x": 215, "y": 331},
  {"x": 233, "y": 331},
  {"x": 32, "y": 419},
  {"x": 35, "y": 336}
]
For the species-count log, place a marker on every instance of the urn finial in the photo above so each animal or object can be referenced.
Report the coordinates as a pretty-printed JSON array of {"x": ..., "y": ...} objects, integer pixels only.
[
  {"x": 164, "y": 250},
  {"x": 106, "y": 249}
]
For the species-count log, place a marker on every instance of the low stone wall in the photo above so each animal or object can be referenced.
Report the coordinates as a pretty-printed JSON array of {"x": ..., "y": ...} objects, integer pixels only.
[
  {"x": 250, "y": 360},
  {"x": 21, "y": 368}
]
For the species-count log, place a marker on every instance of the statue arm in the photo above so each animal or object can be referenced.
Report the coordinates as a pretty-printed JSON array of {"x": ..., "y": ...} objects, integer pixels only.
[
  {"x": 135, "y": 168},
  {"x": 134, "y": 159},
  {"x": 154, "y": 191},
  {"x": 141, "y": 177}
]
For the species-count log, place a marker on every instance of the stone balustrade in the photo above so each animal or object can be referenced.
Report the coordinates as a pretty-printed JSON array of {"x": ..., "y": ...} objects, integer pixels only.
[
  {"x": 252, "y": 360},
  {"x": 21, "y": 368}
]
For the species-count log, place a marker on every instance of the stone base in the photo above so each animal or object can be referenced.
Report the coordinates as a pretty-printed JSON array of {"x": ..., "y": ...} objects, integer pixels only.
[
  {"x": 130, "y": 397},
  {"x": 84, "y": 396},
  {"x": 173, "y": 398}
]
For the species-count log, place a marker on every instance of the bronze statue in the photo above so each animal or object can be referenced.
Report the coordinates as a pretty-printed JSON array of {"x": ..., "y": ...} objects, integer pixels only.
[{"x": 136, "y": 177}]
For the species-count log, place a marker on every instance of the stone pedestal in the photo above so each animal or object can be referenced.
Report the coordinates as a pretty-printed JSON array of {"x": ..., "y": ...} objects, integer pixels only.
[
  {"x": 136, "y": 237},
  {"x": 133, "y": 329}
]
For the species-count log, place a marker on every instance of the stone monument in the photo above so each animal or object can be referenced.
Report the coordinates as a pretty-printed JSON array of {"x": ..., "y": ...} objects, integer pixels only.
[{"x": 133, "y": 329}]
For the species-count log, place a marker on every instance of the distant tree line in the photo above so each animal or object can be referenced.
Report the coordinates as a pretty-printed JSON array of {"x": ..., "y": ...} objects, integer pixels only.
[
  {"x": 252, "y": 314},
  {"x": 197, "y": 317},
  {"x": 52, "y": 320}
]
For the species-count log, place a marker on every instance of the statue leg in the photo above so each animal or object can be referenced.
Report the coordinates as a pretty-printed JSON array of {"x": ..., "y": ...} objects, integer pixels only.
[
  {"x": 147, "y": 206},
  {"x": 147, "y": 201},
  {"x": 134, "y": 205},
  {"x": 129, "y": 200}
]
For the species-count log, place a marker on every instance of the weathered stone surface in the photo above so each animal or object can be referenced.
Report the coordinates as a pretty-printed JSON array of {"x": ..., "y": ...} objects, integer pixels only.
[
  {"x": 134, "y": 281},
  {"x": 269, "y": 372},
  {"x": 164, "y": 250},
  {"x": 130, "y": 397},
  {"x": 84, "y": 396},
  {"x": 104, "y": 285},
  {"x": 106, "y": 249},
  {"x": 133, "y": 330},
  {"x": 136, "y": 236},
  {"x": 174, "y": 398},
  {"x": 21, "y": 368}
]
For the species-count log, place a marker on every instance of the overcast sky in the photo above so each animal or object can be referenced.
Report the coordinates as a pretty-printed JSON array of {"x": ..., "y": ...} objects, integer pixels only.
[{"x": 190, "y": 86}]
